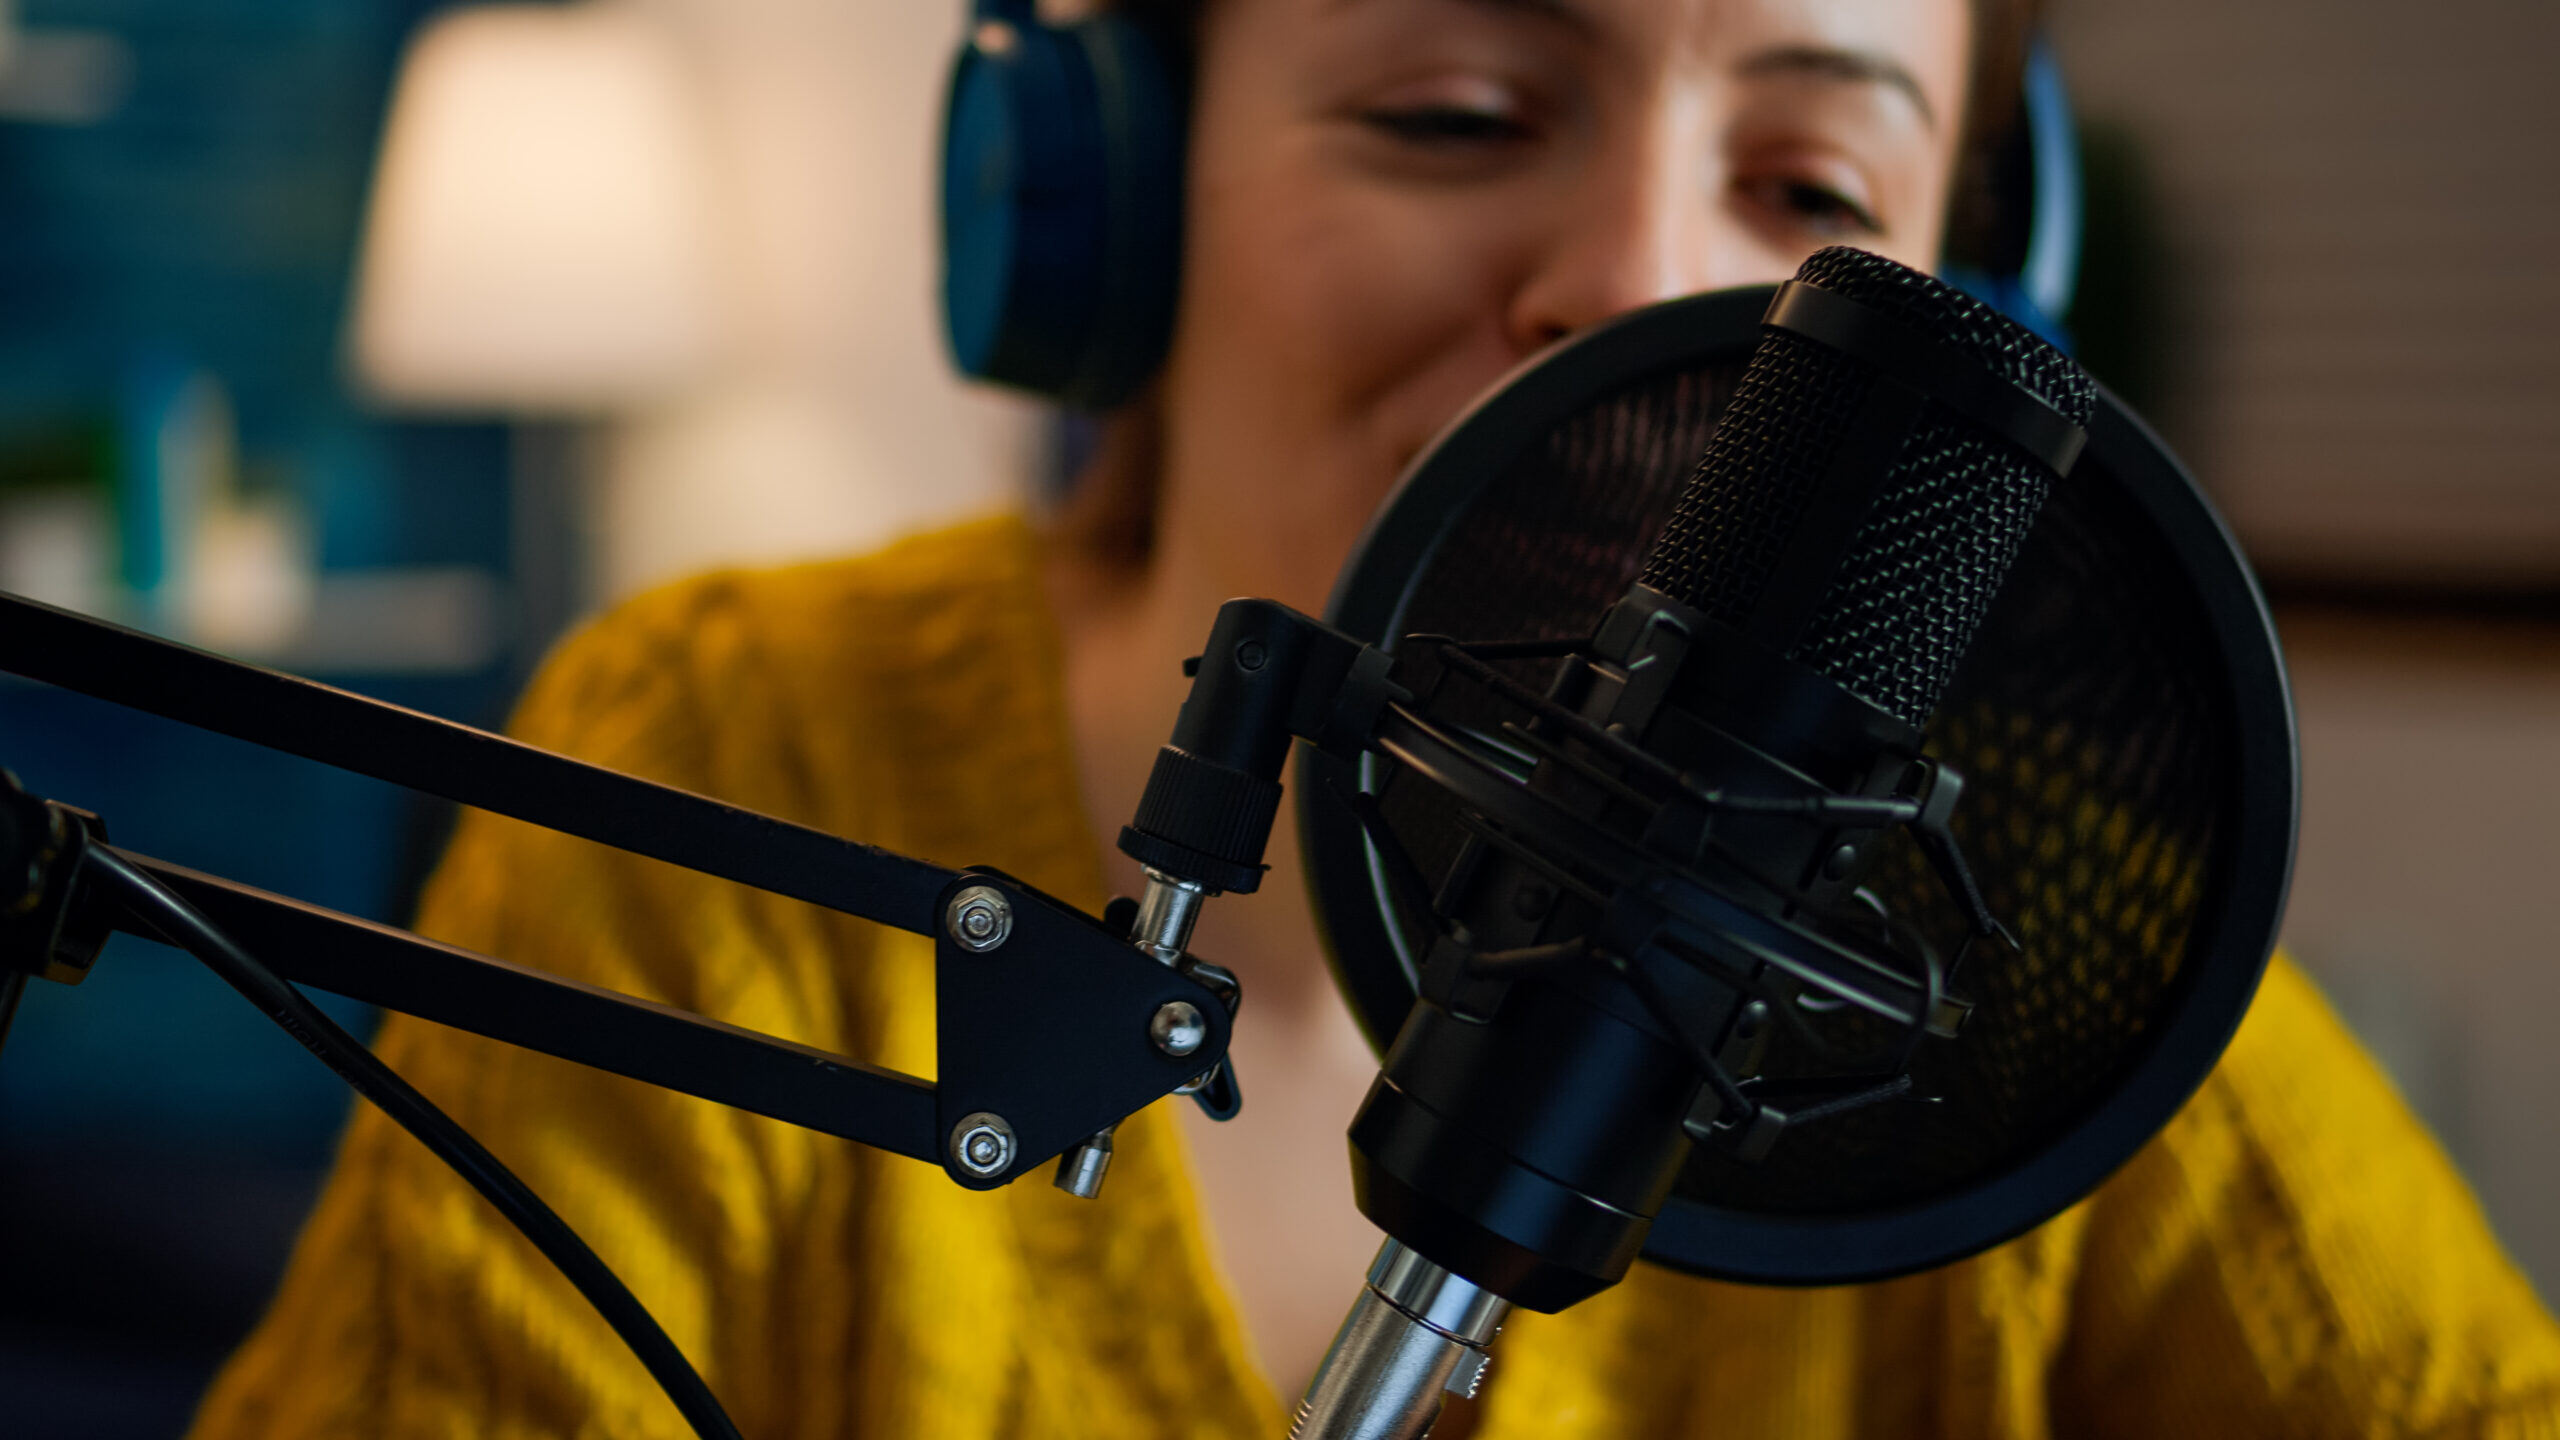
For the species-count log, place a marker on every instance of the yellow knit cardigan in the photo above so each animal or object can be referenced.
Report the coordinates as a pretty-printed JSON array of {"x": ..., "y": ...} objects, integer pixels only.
[{"x": 2291, "y": 1257}]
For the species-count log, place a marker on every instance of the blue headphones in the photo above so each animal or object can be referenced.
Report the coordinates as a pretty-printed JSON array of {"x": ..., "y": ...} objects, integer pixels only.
[
  {"x": 2040, "y": 207},
  {"x": 1062, "y": 204}
]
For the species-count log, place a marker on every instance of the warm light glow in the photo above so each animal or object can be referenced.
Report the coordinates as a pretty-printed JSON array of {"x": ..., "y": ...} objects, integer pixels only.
[{"x": 537, "y": 240}]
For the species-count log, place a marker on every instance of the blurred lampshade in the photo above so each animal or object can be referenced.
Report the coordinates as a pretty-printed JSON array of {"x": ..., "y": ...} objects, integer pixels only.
[{"x": 537, "y": 241}]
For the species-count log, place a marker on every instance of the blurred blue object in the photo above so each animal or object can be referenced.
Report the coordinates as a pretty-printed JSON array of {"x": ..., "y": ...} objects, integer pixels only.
[{"x": 153, "y": 514}]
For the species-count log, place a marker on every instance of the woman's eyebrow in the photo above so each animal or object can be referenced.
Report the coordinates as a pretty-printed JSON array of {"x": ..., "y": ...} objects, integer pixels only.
[
  {"x": 1563, "y": 12},
  {"x": 1566, "y": 13},
  {"x": 1865, "y": 67}
]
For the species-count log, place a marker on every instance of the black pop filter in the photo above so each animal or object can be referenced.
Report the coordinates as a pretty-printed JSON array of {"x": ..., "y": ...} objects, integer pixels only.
[{"x": 2121, "y": 719}]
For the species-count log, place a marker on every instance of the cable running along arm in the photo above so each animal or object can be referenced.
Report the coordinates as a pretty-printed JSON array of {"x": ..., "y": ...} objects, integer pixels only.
[{"x": 154, "y": 904}]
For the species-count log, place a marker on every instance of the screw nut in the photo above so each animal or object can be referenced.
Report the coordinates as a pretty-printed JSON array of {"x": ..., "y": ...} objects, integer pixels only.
[
  {"x": 979, "y": 918},
  {"x": 1178, "y": 1029},
  {"x": 982, "y": 1144}
]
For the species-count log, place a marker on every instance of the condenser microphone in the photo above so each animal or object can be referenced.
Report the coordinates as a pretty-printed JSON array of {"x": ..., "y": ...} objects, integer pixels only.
[{"x": 1663, "y": 838}]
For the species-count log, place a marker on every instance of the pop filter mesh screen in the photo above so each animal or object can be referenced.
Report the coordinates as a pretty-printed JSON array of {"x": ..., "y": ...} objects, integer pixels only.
[{"x": 2096, "y": 745}]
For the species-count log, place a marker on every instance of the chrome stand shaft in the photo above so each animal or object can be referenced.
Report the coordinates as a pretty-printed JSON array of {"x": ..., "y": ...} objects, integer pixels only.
[{"x": 1416, "y": 1333}]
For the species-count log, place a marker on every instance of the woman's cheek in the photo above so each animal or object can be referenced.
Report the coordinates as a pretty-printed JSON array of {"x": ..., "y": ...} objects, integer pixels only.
[
  {"x": 1342, "y": 288},
  {"x": 1340, "y": 322},
  {"x": 1394, "y": 302}
]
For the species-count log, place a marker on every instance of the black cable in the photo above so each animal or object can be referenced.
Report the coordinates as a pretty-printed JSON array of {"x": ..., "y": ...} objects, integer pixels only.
[
  {"x": 183, "y": 926},
  {"x": 12, "y": 985}
]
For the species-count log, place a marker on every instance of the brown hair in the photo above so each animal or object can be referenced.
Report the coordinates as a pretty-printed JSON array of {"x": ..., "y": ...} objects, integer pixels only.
[{"x": 1108, "y": 518}]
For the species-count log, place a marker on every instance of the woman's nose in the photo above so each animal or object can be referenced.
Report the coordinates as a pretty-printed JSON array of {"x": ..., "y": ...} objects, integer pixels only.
[{"x": 1641, "y": 231}]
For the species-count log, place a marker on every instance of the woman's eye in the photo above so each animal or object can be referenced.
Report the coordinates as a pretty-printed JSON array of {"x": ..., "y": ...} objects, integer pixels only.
[
  {"x": 1446, "y": 125},
  {"x": 1815, "y": 206}
]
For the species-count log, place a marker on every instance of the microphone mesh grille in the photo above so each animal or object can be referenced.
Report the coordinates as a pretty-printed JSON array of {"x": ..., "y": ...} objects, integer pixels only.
[
  {"x": 1934, "y": 307},
  {"x": 1921, "y": 569},
  {"x": 1789, "y": 412}
]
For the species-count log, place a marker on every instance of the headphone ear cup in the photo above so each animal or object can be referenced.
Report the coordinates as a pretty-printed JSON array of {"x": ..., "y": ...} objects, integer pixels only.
[
  {"x": 2035, "y": 262},
  {"x": 2050, "y": 270},
  {"x": 1062, "y": 208}
]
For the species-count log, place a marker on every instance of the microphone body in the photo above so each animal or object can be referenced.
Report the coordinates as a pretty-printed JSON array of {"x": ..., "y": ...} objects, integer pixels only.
[{"x": 1699, "y": 789}]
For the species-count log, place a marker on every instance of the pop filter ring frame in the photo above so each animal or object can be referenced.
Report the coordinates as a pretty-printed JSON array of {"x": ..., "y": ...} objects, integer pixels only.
[{"x": 2235, "y": 925}]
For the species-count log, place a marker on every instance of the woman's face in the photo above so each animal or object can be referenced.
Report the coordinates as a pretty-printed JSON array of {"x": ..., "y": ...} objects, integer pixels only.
[{"x": 1394, "y": 201}]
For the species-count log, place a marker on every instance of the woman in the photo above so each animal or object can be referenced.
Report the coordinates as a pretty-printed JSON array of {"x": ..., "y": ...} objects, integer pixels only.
[{"x": 1391, "y": 203}]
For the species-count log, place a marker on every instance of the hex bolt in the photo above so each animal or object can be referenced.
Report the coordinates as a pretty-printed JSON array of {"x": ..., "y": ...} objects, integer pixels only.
[
  {"x": 1178, "y": 1029},
  {"x": 979, "y": 918},
  {"x": 982, "y": 1144}
]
